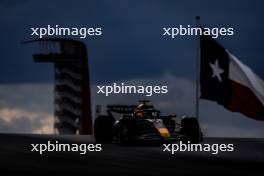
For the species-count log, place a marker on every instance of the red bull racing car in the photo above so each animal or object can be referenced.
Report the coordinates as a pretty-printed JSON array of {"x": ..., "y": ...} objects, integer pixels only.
[{"x": 130, "y": 124}]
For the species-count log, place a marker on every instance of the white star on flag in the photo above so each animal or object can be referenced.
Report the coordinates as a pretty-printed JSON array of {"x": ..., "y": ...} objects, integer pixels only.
[{"x": 217, "y": 71}]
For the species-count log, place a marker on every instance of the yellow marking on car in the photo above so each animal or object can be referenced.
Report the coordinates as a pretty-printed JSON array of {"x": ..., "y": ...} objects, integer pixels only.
[{"x": 164, "y": 132}]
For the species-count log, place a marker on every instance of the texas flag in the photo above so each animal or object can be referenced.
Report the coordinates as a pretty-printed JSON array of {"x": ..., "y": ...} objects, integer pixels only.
[{"x": 226, "y": 80}]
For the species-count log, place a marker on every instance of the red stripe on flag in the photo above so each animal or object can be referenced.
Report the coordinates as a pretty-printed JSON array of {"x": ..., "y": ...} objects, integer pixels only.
[{"x": 245, "y": 101}]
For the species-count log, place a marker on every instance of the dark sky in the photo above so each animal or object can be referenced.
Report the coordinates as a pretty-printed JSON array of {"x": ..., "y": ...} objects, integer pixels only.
[
  {"x": 131, "y": 49},
  {"x": 132, "y": 36}
]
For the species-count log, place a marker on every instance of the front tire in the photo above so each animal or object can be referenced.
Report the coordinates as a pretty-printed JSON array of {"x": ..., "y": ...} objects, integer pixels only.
[
  {"x": 103, "y": 129},
  {"x": 191, "y": 129}
]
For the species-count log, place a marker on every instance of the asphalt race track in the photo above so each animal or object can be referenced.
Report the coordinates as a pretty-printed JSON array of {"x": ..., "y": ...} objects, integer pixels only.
[{"x": 16, "y": 157}]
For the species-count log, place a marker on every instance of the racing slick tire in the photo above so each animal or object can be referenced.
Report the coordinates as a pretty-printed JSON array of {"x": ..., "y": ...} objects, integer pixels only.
[
  {"x": 125, "y": 136},
  {"x": 103, "y": 129},
  {"x": 191, "y": 129}
]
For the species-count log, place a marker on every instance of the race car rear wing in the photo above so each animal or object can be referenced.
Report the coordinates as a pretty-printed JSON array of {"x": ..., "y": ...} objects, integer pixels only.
[
  {"x": 127, "y": 109},
  {"x": 121, "y": 109}
]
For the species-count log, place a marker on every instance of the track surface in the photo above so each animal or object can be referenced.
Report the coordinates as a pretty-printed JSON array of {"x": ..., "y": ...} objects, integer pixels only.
[{"x": 15, "y": 157}]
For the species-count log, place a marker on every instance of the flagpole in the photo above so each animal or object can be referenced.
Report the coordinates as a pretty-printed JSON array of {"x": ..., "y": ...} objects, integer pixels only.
[{"x": 197, "y": 98}]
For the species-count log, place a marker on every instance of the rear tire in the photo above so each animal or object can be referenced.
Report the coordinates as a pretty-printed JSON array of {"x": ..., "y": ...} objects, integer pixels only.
[
  {"x": 191, "y": 129},
  {"x": 103, "y": 129}
]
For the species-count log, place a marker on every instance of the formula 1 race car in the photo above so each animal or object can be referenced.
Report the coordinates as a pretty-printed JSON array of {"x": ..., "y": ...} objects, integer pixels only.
[{"x": 143, "y": 123}]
